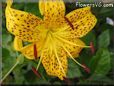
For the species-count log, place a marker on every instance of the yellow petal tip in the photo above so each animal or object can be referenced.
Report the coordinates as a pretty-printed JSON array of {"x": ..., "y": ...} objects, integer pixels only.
[{"x": 9, "y": 2}]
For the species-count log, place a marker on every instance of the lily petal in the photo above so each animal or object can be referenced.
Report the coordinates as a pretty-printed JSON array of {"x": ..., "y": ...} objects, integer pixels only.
[
  {"x": 22, "y": 24},
  {"x": 82, "y": 20},
  {"x": 74, "y": 50},
  {"x": 53, "y": 11},
  {"x": 52, "y": 65},
  {"x": 18, "y": 44},
  {"x": 28, "y": 51}
]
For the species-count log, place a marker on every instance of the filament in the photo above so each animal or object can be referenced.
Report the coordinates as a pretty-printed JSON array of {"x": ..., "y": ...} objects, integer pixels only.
[
  {"x": 39, "y": 62},
  {"x": 71, "y": 43},
  {"x": 55, "y": 51},
  {"x": 72, "y": 56}
]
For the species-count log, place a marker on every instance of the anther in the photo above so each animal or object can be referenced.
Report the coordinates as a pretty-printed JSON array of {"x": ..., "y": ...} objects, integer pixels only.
[
  {"x": 83, "y": 66},
  {"x": 35, "y": 51},
  {"x": 36, "y": 72},
  {"x": 86, "y": 68},
  {"x": 69, "y": 23},
  {"x": 92, "y": 48}
]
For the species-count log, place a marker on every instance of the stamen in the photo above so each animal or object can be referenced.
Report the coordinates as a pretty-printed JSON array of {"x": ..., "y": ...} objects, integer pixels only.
[
  {"x": 35, "y": 51},
  {"x": 86, "y": 68},
  {"x": 71, "y": 43},
  {"x": 69, "y": 23},
  {"x": 36, "y": 72},
  {"x": 39, "y": 62},
  {"x": 55, "y": 51},
  {"x": 72, "y": 56},
  {"x": 83, "y": 66},
  {"x": 46, "y": 42},
  {"x": 92, "y": 47},
  {"x": 59, "y": 61}
]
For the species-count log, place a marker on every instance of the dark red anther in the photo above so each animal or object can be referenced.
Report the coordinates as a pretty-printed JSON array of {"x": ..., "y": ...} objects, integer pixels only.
[
  {"x": 86, "y": 68},
  {"x": 92, "y": 48},
  {"x": 69, "y": 23},
  {"x": 36, "y": 72},
  {"x": 35, "y": 51}
]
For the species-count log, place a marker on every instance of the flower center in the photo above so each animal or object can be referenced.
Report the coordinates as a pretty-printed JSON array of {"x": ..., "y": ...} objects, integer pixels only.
[{"x": 53, "y": 41}]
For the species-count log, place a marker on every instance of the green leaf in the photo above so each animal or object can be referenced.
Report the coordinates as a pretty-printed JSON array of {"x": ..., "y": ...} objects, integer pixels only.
[
  {"x": 99, "y": 78},
  {"x": 5, "y": 53},
  {"x": 104, "y": 39},
  {"x": 7, "y": 61},
  {"x": 103, "y": 63},
  {"x": 90, "y": 37},
  {"x": 19, "y": 6},
  {"x": 100, "y": 64},
  {"x": 6, "y": 39},
  {"x": 96, "y": 79},
  {"x": 73, "y": 70},
  {"x": 105, "y": 10}
]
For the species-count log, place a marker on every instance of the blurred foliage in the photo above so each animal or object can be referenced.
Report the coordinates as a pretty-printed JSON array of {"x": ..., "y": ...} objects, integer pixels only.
[{"x": 101, "y": 63}]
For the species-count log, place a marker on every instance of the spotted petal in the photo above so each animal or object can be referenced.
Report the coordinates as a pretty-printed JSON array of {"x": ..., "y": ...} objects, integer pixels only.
[
  {"x": 82, "y": 21},
  {"x": 74, "y": 50},
  {"x": 52, "y": 66},
  {"x": 53, "y": 11},
  {"x": 29, "y": 51},
  {"x": 18, "y": 45},
  {"x": 22, "y": 24}
]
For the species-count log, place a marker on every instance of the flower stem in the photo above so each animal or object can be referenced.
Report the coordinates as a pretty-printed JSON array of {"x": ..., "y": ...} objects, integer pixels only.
[{"x": 9, "y": 71}]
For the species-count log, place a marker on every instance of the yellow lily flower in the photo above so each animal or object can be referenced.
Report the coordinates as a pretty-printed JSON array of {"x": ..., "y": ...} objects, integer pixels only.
[{"x": 53, "y": 38}]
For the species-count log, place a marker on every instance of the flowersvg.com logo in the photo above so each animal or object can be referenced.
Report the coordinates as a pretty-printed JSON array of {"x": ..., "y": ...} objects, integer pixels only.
[{"x": 95, "y": 4}]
